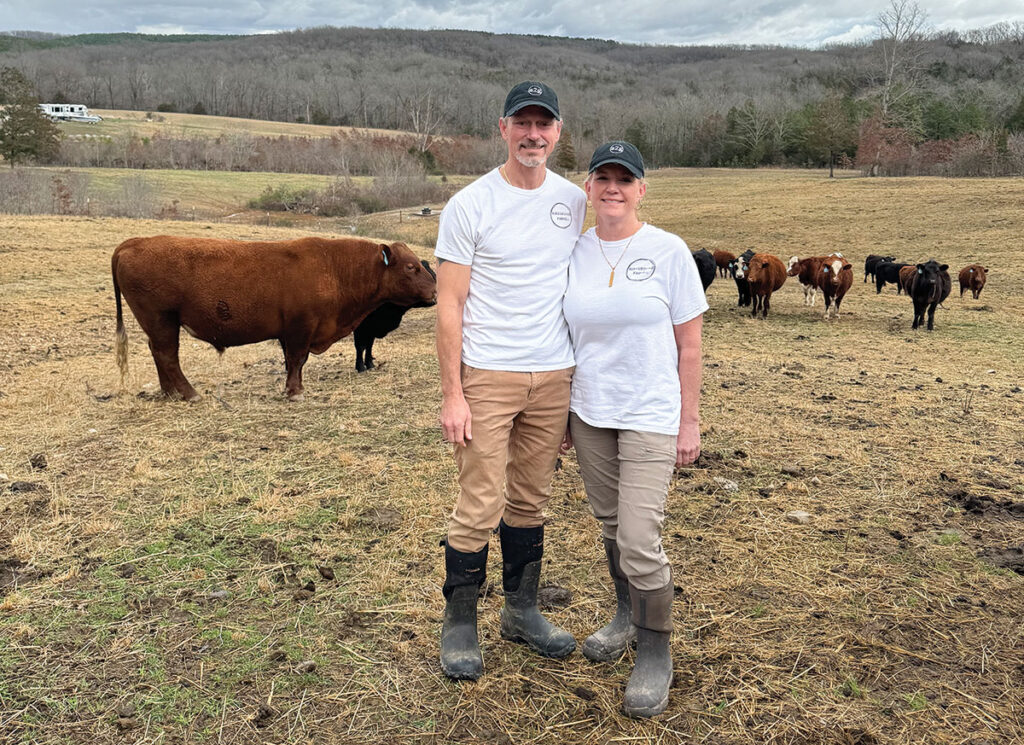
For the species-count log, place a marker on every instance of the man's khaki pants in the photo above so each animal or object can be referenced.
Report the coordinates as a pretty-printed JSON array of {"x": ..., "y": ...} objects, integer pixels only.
[
  {"x": 626, "y": 475},
  {"x": 518, "y": 422}
]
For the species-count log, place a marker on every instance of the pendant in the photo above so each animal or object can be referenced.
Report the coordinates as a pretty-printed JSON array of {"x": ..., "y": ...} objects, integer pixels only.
[{"x": 611, "y": 278}]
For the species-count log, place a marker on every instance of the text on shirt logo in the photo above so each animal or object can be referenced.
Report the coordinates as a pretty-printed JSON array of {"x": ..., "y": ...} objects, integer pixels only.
[
  {"x": 561, "y": 216},
  {"x": 640, "y": 269}
]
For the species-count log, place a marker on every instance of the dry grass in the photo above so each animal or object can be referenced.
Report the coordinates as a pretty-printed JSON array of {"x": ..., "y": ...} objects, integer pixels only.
[
  {"x": 876, "y": 623},
  {"x": 116, "y": 122}
]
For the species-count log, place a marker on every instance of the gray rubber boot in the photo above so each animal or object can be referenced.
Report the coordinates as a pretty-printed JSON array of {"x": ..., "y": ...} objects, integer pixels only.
[
  {"x": 521, "y": 620},
  {"x": 460, "y": 649},
  {"x": 647, "y": 690},
  {"x": 609, "y": 642}
]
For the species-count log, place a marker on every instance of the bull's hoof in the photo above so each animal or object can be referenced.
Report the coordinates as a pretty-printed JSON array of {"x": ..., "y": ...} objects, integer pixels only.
[{"x": 295, "y": 397}]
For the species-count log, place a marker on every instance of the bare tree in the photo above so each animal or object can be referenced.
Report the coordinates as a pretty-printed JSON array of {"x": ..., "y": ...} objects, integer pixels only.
[{"x": 901, "y": 38}]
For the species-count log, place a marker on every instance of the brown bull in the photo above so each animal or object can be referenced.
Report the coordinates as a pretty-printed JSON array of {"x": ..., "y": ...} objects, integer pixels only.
[{"x": 306, "y": 293}]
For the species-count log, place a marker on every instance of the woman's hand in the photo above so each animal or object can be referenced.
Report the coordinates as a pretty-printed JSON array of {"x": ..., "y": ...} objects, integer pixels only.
[{"x": 688, "y": 443}]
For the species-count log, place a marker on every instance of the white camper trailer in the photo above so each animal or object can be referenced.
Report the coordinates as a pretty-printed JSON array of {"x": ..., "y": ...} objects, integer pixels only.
[{"x": 69, "y": 112}]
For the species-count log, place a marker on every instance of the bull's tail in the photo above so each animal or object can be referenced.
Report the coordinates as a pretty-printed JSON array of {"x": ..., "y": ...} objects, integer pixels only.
[{"x": 121, "y": 342}]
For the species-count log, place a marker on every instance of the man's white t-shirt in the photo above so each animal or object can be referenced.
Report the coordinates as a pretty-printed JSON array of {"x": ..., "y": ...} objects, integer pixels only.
[
  {"x": 518, "y": 243},
  {"x": 627, "y": 365}
]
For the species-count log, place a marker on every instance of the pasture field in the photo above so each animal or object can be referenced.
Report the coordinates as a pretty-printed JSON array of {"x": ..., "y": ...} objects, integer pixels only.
[
  {"x": 246, "y": 570},
  {"x": 119, "y": 122}
]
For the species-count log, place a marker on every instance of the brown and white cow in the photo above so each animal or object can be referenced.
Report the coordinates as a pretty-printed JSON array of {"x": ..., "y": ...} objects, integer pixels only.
[
  {"x": 806, "y": 270},
  {"x": 764, "y": 274},
  {"x": 722, "y": 260},
  {"x": 835, "y": 277},
  {"x": 306, "y": 293},
  {"x": 972, "y": 277}
]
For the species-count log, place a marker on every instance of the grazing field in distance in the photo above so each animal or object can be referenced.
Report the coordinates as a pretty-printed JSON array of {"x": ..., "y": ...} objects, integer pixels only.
[
  {"x": 245, "y": 570},
  {"x": 118, "y": 122}
]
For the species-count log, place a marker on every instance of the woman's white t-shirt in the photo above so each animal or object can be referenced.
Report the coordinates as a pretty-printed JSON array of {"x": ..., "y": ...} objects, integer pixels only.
[{"x": 627, "y": 365}]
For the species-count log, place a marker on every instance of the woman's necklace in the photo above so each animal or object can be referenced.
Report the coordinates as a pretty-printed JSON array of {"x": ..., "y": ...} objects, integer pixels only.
[{"x": 600, "y": 244}]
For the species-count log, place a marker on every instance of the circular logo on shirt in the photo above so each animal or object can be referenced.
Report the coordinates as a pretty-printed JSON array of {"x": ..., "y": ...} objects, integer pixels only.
[
  {"x": 560, "y": 215},
  {"x": 640, "y": 270}
]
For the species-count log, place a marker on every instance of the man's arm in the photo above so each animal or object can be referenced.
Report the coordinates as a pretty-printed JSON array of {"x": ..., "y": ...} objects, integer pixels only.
[{"x": 452, "y": 291}]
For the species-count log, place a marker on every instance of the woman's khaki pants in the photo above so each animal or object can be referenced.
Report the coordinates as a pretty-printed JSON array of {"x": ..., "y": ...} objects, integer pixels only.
[{"x": 626, "y": 475}]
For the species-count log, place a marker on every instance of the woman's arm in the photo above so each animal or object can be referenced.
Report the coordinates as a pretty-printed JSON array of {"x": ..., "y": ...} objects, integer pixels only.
[{"x": 688, "y": 339}]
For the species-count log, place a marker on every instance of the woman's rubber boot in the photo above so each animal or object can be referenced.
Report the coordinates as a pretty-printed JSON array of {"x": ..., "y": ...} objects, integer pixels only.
[
  {"x": 521, "y": 621},
  {"x": 460, "y": 649},
  {"x": 647, "y": 690},
  {"x": 609, "y": 642}
]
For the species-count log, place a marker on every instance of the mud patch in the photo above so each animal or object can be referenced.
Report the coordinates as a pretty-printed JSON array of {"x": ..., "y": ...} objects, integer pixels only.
[
  {"x": 550, "y": 597},
  {"x": 982, "y": 505},
  {"x": 1008, "y": 558},
  {"x": 383, "y": 519},
  {"x": 9, "y": 572}
]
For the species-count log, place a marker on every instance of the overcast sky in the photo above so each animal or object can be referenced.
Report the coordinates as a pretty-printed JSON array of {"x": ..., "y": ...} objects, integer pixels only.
[{"x": 786, "y": 22}]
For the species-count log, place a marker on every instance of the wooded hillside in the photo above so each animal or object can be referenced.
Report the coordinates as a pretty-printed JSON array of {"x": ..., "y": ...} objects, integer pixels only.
[{"x": 683, "y": 105}]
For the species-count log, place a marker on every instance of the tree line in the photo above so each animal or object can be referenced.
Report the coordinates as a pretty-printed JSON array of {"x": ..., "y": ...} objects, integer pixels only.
[{"x": 908, "y": 101}]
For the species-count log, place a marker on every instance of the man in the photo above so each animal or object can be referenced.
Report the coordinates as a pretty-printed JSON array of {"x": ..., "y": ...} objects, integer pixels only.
[{"x": 503, "y": 249}]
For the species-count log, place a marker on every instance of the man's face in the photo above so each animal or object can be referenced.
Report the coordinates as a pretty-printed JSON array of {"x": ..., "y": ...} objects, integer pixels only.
[{"x": 531, "y": 134}]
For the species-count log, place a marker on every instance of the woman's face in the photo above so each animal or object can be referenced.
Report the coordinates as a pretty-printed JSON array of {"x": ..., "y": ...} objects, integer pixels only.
[{"x": 614, "y": 192}]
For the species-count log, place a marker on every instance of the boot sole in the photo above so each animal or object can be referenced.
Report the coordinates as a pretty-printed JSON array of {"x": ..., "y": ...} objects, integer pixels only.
[{"x": 557, "y": 655}]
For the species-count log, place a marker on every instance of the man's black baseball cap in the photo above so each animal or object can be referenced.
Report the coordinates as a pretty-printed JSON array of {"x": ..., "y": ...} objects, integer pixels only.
[
  {"x": 531, "y": 93},
  {"x": 621, "y": 152}
]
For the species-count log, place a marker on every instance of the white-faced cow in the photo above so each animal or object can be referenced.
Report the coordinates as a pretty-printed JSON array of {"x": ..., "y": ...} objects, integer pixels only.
[
  {"x": 835, "y": 280},
  {"x": 306, "y": 293}
]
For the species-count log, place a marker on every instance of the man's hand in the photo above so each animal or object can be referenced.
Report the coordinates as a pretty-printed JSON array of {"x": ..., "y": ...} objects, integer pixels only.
[
  {"x": 566, "y": 444},
  {"x": 456, "y": 421},
  {"x": 688, "y": 443}
]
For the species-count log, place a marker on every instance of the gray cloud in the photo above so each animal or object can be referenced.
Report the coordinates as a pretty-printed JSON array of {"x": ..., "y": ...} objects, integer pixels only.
[{"x": 788, "y": 22}]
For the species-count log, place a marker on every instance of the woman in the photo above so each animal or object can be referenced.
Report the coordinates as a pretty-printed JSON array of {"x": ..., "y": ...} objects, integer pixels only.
[{"x": 634, "y": 305}]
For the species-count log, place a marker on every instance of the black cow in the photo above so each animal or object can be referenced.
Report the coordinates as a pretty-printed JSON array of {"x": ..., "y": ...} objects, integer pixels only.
[
  {"x": 927, "y": 287},
  {"x": 705, "y": 267},
  {"x": 742, "y": 285},
  {"x": 379, "y": 324},
  {"x": 888, "y": 272},
  {"x": 872, "y": 261}
]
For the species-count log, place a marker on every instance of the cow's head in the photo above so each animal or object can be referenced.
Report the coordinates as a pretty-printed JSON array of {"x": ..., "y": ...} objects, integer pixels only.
[
  {"x": 928, "y": 272},
  {"x": 407, "y": 280},
  {"x": 832, "y": 267},
  {"x": 794, "y": 266}
]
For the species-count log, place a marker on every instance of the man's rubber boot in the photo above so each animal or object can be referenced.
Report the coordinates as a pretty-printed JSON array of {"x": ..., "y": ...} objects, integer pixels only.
[
  {"x": 460, "y": 649},
  {"x": 521, "y": 621},
  {"x": 609, "y": 642},
  {"x": 647, "y": 690}
]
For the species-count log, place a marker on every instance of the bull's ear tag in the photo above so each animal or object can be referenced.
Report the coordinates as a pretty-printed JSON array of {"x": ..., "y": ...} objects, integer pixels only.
[
  {"x": 826, "y": 270},
  {"x": 920, "y": 271},
  {"x": 972, "y": 271},
  {"x": 384, "y": 256}
]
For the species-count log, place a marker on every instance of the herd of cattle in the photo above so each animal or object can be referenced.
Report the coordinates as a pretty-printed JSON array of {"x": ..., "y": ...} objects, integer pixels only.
[
  {"x": 310, "y": 292},
  {"x": 758, "y": 275}
]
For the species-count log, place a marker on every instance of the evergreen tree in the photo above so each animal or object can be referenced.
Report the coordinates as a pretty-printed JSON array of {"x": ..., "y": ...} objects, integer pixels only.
[
  {"x": 565, "y": 155},
  {"x": 26, "y": 133}
]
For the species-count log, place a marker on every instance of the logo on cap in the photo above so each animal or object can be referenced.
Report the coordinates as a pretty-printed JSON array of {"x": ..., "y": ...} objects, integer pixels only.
[
  {"x": 535, "y": 90},
  {"x": 616, "y": 149}
]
